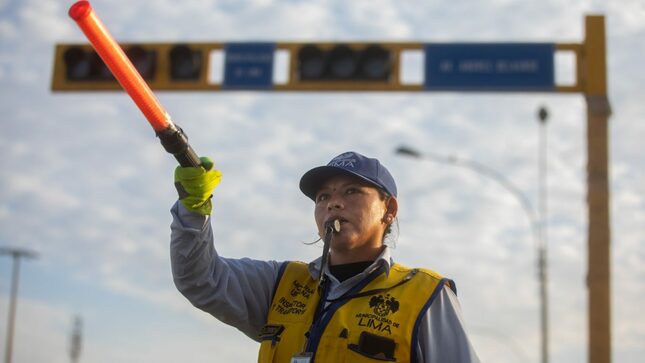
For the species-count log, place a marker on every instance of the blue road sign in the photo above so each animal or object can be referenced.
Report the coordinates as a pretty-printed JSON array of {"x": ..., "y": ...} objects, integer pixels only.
[
  {"x": 248, "y": 65},
  {"x": 489, "y": 67}
]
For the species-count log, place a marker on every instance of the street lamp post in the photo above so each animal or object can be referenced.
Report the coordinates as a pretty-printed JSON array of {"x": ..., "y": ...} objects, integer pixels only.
[
  {"x": 76, "y": 340},
  {"x": 531, "y": 214},
  {"x": 16, "y": 254},
  {"x": 543, "y": 115}
]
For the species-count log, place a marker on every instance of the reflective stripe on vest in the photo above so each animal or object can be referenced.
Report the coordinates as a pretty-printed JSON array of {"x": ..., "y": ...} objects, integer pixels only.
[{"x": 380, "y": 325}]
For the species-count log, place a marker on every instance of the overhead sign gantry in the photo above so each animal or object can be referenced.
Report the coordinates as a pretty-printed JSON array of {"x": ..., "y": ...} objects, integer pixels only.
[
  {"x": 321, "y": 66},
  {"x": 377, "y": 66}
]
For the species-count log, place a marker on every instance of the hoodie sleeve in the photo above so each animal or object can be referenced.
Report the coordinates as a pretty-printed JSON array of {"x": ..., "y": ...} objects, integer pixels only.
[{"x": 238, "y": 292}]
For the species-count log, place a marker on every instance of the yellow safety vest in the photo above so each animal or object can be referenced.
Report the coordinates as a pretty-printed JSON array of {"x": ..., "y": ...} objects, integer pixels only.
[{"x": 378, "y": 321}]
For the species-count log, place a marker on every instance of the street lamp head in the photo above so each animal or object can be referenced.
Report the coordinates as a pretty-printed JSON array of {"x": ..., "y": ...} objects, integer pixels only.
[
  {"x": 408, "y": 151},
  {"x": 543, "y": 114},
  {"x": 21, "y": 252}
]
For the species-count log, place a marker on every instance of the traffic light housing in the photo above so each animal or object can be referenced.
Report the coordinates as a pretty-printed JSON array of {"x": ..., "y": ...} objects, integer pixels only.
[
  {"x": 344, "y": 63},
  {"x": 79, "y": 67},
  {"x": 164, "y": 66}
]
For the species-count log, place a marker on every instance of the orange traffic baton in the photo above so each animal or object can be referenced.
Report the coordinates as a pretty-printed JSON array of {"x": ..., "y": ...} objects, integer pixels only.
[{"x": 172, "y": 137}]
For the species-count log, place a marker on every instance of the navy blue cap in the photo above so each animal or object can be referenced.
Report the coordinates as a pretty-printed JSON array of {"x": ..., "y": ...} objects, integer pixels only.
[{"x": 349, "y": 163}]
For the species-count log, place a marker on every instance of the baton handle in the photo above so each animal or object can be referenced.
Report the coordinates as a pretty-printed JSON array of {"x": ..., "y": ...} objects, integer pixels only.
[
  {"x": 172, "y": 137},
  {"x": 175, "y": 141}
]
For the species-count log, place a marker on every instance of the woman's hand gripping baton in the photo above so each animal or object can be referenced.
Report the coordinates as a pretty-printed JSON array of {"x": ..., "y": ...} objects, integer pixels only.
[{"x": 172, "y": 137}]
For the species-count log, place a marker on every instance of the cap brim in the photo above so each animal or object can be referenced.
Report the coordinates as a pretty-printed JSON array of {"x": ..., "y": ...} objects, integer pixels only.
[{"x": 312, "y": 181}]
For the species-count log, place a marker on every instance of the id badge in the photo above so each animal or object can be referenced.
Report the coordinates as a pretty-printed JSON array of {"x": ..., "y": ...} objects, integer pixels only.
[{"x": 301, "y": 358}]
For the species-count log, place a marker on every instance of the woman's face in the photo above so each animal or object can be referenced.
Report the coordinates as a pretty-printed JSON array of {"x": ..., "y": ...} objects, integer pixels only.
[{"x": 363, "y": 217}]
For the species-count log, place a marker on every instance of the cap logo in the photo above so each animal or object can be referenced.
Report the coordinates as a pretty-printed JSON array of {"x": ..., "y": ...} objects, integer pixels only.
[
  {"x": 343, "y": 163},
  {"x": 345, "y": 160}
]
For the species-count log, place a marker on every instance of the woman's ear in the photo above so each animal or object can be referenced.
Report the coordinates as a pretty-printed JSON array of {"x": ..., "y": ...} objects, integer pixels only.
[{"x": 391, "y": 209}]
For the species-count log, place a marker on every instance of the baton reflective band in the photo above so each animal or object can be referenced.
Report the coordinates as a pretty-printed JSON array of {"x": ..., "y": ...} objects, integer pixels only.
[{"x": 172, "y": 137}]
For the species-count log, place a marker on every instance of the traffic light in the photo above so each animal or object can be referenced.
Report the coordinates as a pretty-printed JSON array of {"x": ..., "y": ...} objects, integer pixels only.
[
  {"x": 77, "y": 67},
  {"x": 82, "y": 64},
  {"x": 185, "y": 63},
  {"x": 367, "y": 62}
]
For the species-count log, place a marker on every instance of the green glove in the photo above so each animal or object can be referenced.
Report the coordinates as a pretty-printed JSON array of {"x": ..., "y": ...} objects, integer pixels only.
[{"x": 195, "y": 186}]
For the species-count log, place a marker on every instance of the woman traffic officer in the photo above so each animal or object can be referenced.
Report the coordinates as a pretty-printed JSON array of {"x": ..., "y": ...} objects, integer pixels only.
[{"x": 353, "y": 304}]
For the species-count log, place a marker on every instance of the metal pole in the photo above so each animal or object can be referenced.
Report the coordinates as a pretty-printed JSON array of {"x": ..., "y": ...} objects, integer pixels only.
[
  {"x": 75, "y": 343},
  {"x": 16, "y": 254},
  {"x": 599, "y": 236},
  {"x": 12, "y": 308},
  {"x": 542, "y": 249}
]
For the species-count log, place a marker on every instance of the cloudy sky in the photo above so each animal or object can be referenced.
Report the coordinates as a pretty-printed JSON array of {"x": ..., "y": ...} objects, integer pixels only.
[{"x": 84, "y": 182}]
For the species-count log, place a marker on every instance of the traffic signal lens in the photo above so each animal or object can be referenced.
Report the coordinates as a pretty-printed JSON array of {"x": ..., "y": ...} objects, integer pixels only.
[
  {"x": 144, "y": 61},
  {"x": 98, "y": 70},
  {"x": 343, "y": 63},
  {"x": 376, "y": 63},
  {"x": 185, "y": 63},
  {"x": 77, "y": 64},
  {"x": 311, "y": 62}
]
